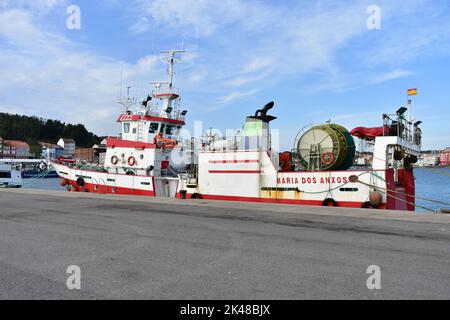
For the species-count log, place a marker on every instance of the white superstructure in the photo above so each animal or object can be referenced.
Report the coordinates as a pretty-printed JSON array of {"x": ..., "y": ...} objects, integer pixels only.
[{"x": 10, "y": 176}]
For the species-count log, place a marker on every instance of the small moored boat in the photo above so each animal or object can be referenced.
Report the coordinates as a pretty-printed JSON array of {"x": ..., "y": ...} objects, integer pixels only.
[{"x": 10, "y": 176}]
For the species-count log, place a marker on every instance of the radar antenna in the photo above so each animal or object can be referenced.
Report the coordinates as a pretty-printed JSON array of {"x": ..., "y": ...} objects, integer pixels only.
[
  {"x": 171, "y": 59},
  {"x": 127, "y": 102}
]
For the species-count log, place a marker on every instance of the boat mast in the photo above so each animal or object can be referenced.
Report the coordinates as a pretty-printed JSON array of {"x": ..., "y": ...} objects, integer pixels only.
[
  {"x": 169, "y": 94},
  {"x": 127, "y": 102},
  {"x": 171, "y": 60}
]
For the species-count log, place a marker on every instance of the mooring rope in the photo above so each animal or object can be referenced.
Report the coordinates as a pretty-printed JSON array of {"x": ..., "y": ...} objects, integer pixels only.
[
  {"x": 400, "y": 199},
  {"x": 33, "y": 180},
  {"x": 417, "y": 197}
]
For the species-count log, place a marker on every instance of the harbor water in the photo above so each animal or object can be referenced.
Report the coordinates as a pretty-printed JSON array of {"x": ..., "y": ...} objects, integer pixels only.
[{"x": 430, "y": 183}]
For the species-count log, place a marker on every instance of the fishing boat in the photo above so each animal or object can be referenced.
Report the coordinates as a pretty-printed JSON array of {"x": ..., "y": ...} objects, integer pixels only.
[
  {"x": 150, "y": 158},
  {"x": 38, "y": 168},
  {"x": 10, "y": 176},
  {"x": 32, "y": 168}
]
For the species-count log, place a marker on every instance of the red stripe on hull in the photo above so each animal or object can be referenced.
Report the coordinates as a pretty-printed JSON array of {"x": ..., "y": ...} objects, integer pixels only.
[
  {"x": 113, "y": 143},
  {"x": 102, "y": 189},
  {"x": 173, "y": 121},
  {"x": 233, "y": 161},
  {"x": 344, "y": 204},
  {"x": 236, "y": 171},
  {"x": 127, "y": 118}
]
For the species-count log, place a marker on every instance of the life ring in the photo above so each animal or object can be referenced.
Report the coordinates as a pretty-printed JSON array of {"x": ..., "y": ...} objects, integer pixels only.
[
  {"x": 131, "y": 161},
  {"x": 43, "y": 166},
  {"x": 327, "y": 158},
  {"x": 114, "y": 160},
  {"x": 328, "y": 201},
  {"x": 37, "y": 168}
]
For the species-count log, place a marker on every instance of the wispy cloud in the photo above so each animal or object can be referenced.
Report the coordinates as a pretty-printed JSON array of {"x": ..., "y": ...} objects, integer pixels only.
[
  {"x": 235, "y": 95},
  {"x": 391, "y": 75},
  {"x": 236, "y": 50},
  {"x": 49, "y": 75},
  {"x": 272, "y": 43}
]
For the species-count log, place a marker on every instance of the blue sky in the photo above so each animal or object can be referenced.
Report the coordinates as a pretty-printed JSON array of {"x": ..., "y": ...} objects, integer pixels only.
[{"x": 316, "y": 59}]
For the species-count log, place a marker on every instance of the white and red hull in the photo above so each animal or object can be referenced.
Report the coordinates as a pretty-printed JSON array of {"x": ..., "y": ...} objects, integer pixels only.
[
  {"x": 106, "y": 183},
  {"x": 251, "y": 176},
  {"x": 150, "y": 158}
]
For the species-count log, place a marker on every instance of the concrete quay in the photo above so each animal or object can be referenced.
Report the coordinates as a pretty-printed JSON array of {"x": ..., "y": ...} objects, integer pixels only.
[{"x": 152, "y": 248}]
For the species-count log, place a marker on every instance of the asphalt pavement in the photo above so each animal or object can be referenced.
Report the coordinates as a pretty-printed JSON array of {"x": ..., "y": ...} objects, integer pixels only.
[{"x": 150, "y": 248}]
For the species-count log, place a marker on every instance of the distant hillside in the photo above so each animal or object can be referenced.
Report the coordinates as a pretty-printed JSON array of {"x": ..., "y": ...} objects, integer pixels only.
[{"x": 33, "y": 129}]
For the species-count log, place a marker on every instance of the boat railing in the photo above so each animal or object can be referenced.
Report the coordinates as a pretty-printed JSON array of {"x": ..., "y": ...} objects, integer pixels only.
[
  {"x": 166, "y": 91},
  {"x": 399, "y": 126}
]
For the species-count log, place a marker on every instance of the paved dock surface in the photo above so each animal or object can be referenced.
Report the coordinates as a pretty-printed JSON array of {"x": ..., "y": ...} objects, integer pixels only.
[{"x": 141, "y": 248}]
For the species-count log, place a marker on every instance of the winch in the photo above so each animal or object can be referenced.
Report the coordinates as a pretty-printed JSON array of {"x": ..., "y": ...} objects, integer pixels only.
[{"x": 324, "y": 147}]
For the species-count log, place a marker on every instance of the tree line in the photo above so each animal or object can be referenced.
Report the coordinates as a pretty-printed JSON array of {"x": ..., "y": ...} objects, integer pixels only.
[{"x": 34, "y": 129}]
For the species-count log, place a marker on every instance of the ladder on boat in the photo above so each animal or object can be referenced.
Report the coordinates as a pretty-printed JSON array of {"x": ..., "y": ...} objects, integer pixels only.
[{"x": 140, "y": 131}]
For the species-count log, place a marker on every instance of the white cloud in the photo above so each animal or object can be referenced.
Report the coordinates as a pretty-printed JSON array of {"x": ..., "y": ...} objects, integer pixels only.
[
  {"x": 16, "y": 25},
  {"x": 48, "y": 75},
  {"x": 236, "y": 49},
  {"x": 235, "y": 95},
  {"x": 37, "y": 6},
  {"x": 203, "y": 17},
  {"x": 272, "y": 43},
  {"x": 141, "y": 25},
  {"x": 392, "y": 75}
]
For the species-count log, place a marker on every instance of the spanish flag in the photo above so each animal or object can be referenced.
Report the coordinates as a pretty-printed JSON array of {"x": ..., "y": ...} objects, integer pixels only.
[{"x": 412, "y": 92}]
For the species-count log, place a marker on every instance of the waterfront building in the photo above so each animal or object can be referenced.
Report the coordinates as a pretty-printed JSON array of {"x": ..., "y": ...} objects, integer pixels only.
[
  {"x": 68, "y": 146},
  {"x": 14, "y": 149},
  {"x": 50, "y": 150},
  {"x": 445, "y": 157},
  {"x": 431, "y": 160},
  {"x": 85, "y": 154}
]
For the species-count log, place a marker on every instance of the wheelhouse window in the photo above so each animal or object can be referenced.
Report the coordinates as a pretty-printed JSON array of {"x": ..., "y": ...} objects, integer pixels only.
[
  {"x": 153, "y": 127},
  {"x": 5, "y": 174},
  {"x": 171, "y": 130},
  {"x": 126, "y": 127}
]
